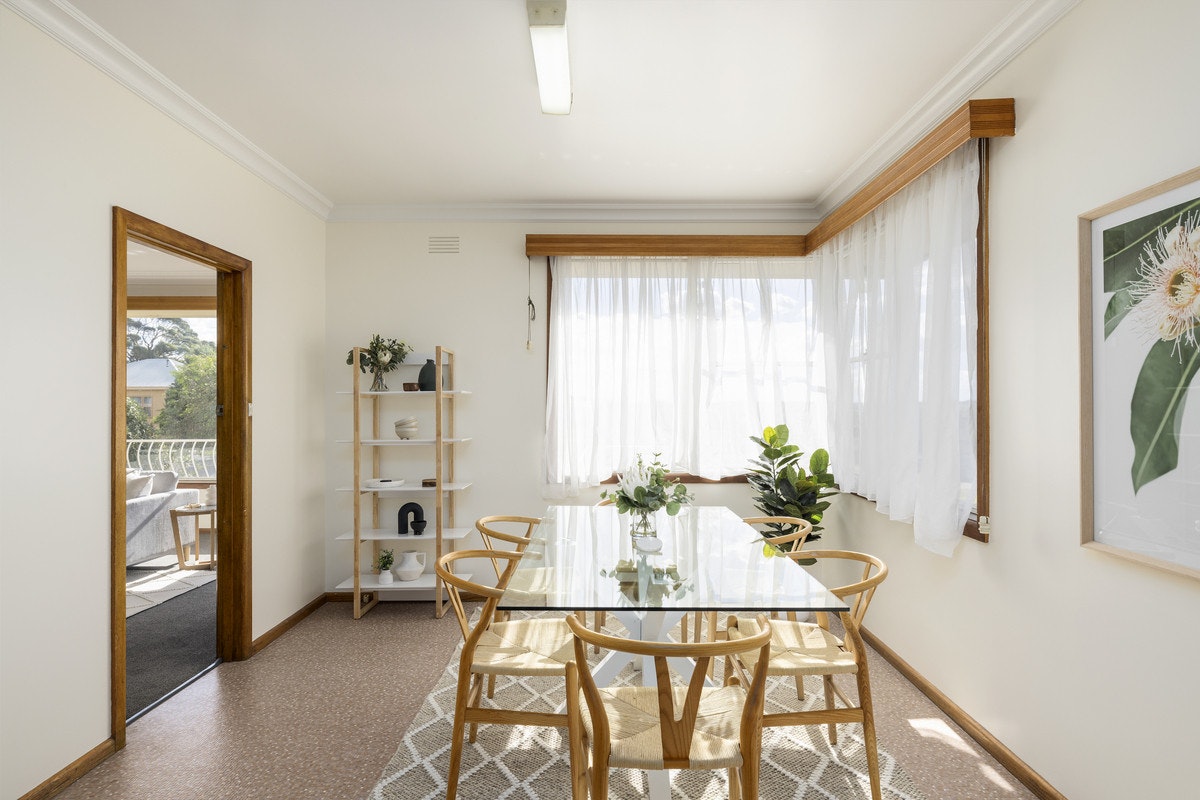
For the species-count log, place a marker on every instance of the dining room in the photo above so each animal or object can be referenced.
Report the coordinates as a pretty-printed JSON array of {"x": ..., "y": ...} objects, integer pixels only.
[{"x": 1008, "y": 641}]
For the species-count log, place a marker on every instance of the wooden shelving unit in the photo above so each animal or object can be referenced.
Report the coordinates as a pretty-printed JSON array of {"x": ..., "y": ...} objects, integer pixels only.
[{"x": 365, "y": 586}]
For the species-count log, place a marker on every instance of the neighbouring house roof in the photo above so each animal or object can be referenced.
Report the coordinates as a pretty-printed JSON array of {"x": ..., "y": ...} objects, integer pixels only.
[{"x": 150, "y": 372}]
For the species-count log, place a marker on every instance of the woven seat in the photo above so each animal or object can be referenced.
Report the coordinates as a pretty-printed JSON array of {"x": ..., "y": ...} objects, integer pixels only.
[
  {"x": 798, "y": 649},
  {"x": 540, "y": 647},
  {"x": 637, "y": 738},
  {"x": 666, "y": 726},
  {"x": 524, "y": 647}
]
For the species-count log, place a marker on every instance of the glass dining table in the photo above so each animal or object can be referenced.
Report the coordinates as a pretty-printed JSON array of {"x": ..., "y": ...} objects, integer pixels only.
[
  {"x": 584, "y": 558},
  {"x": 705, "y": 558}
]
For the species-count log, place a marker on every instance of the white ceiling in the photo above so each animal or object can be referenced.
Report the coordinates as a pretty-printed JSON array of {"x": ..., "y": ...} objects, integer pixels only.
[{"x": 401, "y": 105}]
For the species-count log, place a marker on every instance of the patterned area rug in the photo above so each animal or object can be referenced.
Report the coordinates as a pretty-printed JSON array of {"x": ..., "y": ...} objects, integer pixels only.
[
  {"x": 532, "y": 763},
  {"x": 158, "y": 586}
]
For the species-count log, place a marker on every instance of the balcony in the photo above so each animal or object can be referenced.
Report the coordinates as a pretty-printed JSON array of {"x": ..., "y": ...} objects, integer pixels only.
[{"x": 193, "y": 460}]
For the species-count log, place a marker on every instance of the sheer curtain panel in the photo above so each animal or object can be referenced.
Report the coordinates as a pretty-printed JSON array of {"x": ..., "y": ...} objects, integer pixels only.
[
  {"x": 687, "y": 357},
  {"x": 897, "y": 298}
]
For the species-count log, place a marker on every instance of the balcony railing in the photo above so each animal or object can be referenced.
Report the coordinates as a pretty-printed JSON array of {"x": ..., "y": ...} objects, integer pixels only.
[{"x": 190, "y": 459}]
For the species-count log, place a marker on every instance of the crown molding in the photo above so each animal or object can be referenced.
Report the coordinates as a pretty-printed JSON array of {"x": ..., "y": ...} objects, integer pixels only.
[
  {"x": 1016, "y": 32},
  {"x": 796, "y": 213},
  {"x": 81, "y": 35}
]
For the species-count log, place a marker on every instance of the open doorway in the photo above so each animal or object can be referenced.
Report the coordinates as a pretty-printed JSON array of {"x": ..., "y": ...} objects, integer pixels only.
[
  {"x": 171, "y": 475},
  {"x": 181, "y": 407}
]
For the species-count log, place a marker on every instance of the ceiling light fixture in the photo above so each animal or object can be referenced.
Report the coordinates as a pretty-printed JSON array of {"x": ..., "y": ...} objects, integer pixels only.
[{"x": 548, "y": 32}]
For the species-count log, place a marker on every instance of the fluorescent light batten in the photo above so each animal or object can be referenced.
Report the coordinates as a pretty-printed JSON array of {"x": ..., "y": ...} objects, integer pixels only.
[
  {"x": 551, "y": 61},
  {"x": 553, "y": 67}
]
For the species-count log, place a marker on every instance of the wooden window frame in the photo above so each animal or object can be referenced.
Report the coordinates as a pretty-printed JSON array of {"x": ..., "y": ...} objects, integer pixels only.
[{"x": 977, "y": 120}]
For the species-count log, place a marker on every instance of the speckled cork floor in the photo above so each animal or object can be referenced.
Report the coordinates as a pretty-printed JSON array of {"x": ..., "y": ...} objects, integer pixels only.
[{"x": 320, "y": 712}]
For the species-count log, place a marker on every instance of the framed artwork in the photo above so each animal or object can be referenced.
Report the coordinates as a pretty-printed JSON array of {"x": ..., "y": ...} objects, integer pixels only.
[{"x": 1140, "y": 333}]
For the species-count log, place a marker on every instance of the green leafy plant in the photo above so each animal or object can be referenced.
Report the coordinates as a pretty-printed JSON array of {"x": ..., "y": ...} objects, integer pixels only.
[
  {"x": 783, "y": 488},
  {"x": 380, "y": 355},
  {"x": 645, "y": 487},
  {"x": 385, "y": 560}
]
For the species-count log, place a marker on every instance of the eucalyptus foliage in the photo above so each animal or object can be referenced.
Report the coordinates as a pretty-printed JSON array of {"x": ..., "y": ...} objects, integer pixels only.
[
  {"x": 646, "y": 487},
  {"x": 783, "y": 488},
  {"x": 380, "y": 355}
]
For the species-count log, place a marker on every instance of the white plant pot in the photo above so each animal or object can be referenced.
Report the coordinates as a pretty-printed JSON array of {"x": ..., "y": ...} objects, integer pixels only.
[{"x": 385, "y": 577}]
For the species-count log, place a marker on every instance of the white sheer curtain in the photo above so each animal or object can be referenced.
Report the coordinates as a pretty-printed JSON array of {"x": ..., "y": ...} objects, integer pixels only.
[
  {"x": 687, "y": 357},
  {"x": 897, "y": 299}
]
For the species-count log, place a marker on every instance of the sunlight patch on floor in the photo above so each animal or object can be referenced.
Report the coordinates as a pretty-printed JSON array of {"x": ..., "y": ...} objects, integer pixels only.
[
  {"x": 995, "y": 777},
  {"x": 938, "y": 729}
]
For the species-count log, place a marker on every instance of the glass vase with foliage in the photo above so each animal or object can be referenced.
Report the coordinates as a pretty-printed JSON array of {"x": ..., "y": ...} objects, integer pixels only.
[
  {"x": 645, "y": 488},
  {"x": 380, "y": 356},
  {"x": 783, "y": 488}
]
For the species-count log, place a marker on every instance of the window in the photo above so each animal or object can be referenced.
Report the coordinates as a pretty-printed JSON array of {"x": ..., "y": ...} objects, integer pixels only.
[{"x": 682, "y": 356}]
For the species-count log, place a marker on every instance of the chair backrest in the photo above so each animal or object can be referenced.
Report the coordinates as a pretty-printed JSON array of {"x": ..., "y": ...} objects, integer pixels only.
[
  {"x": 678, "y": 724},
  {"x": 857, "y": 595},
  {"x": 787, "y": 534},
  {"x": 606, "y": 501},
  {"x": 457, "y": 586},
  {"x": 487, "y": 527}
]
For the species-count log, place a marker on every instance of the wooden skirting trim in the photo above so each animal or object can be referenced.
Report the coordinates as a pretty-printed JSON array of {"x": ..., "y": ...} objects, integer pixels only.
[
  {"x": 1007, "y": 758},
  {"x": 569, "y": 244},
  {"x": 289, "y": 623},
  {"x": 339, "y": 597},
  {"x": 977, "y": 119},
  {"x": 77, "y": 769},
  {"x": 177, "y": 303}
]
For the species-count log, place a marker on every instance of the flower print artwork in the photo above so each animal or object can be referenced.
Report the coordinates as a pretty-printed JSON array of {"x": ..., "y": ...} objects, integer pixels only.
[{"x": 1152, "y": 266}]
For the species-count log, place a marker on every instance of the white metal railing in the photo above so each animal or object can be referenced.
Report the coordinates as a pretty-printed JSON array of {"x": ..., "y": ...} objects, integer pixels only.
[{"x": 190, "y": 459}]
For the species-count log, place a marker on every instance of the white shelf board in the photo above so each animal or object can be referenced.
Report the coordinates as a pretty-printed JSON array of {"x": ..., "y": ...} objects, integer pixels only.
[
  {"x": 392, "y": 442},
  {"x": 453, "y": 486},
  {"x": 389, "y": 534},
  {"x": 391, "y": 392},
  {"x": 369, "y": 581}
]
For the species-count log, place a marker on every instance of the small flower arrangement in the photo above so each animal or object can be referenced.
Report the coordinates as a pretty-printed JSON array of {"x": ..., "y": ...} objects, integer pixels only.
[
  {"x": 385, "y": 560},
  {"x": 380, "y": 356},
  {"x": 644, "y": 488}
]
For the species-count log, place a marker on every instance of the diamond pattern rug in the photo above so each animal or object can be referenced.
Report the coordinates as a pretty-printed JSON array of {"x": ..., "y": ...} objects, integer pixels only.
[
  {"x": 531, "y": 763},
  {"x": 159, "y": 586}
]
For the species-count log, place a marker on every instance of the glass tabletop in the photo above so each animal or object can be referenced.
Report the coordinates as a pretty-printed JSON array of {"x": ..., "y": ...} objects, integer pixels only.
[{"x": 583, "y": 558}]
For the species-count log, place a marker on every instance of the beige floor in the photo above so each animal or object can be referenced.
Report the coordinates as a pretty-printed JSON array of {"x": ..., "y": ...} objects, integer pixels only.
[{"x": 320, "y": 712}]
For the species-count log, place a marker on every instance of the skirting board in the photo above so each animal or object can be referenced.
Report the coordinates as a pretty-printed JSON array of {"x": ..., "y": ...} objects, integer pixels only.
[
  {"x": 72, "y": 772},
  {"x": 279, "y": 630},
  {"x": 1019, "y": 769}
]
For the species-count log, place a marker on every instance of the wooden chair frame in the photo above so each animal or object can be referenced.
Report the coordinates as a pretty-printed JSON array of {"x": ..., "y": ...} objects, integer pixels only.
[
  {"x": 859, "y": 595},
  {"x": 468, "y": 709},
  {"x": 677, "y": 725}
]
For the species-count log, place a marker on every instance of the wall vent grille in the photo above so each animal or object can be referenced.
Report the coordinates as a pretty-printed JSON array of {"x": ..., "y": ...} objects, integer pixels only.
[{"x": 441, "y": 245}]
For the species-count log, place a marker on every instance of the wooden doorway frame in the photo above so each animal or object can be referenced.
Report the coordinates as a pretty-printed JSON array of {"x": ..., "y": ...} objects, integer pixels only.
[{"x": 233, "y": 438}]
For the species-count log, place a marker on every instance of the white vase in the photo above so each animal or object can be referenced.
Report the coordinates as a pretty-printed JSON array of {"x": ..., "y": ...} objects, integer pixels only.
[
  {"x": 412, "y": 564},
  {"x": 385, "y": 577}
]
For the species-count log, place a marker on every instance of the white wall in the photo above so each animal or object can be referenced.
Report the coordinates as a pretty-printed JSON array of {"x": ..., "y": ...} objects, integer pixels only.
[
  {"x": 382, "y": 280},
  {"x": 1082, "y": 663},
  {"x": 73, "y": 143}
]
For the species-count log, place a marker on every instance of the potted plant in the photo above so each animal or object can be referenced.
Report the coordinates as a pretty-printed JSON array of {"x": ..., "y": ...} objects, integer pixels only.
[
  {"x": 782, "y": 486},
  {"x": 645, "y": 488},
  {"x": 384, "y": 562},
  {"x": 380, "y": 356}
]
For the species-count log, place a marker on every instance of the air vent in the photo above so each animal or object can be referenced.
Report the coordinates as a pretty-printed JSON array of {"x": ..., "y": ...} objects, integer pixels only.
[{"x": 443, "y": 245}]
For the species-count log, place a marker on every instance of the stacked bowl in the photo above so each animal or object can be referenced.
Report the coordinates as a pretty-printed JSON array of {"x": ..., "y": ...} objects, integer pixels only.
[{"x": 406, "y": 428}]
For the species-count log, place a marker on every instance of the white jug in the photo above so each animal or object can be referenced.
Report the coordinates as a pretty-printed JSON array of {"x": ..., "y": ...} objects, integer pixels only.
[{"x": 412, "y": 564}]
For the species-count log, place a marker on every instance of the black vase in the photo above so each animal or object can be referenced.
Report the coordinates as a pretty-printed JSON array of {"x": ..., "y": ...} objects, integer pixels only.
[{"x": 427, "y": 378}]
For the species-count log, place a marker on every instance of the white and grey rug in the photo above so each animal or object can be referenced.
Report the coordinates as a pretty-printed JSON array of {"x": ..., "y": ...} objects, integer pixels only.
[
  {"x": 160, "y": 585},
  {"x": 532, "y": 763}
]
